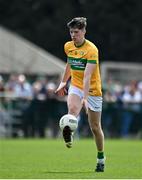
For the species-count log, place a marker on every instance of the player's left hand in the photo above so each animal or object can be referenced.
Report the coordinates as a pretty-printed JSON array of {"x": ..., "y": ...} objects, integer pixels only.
[{"x": 85, "y": 105}]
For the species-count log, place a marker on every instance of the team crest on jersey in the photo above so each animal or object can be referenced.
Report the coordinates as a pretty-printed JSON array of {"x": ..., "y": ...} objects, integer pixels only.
[{"x": 81, "y": 53}]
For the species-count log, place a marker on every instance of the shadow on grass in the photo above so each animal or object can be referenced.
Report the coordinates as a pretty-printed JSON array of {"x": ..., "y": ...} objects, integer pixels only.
[{"x": 68, "y": 172}]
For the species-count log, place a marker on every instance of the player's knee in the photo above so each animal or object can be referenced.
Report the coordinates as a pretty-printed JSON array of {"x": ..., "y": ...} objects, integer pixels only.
[
  {"x": 73, "y": 109},
  {"x": 96, "y": 128}
]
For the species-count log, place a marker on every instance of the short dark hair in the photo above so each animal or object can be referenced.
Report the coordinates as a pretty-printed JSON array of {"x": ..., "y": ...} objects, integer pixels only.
[{"x": 77, "y": 22}]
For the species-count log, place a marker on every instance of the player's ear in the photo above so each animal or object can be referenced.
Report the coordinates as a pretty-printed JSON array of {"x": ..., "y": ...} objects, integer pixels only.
[{"x": 84, "y": 30}]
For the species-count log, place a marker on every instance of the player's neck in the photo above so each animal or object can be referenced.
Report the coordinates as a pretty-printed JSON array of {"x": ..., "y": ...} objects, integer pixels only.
[{"x": 81, "y": 43}]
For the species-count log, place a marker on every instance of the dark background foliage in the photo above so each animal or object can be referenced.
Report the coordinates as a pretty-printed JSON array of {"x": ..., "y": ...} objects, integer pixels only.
[{"x": 115, "y": 26}]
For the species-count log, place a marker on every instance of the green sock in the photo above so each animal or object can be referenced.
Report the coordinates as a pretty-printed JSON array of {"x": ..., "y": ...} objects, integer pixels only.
[{"x": 100, "y": 155}]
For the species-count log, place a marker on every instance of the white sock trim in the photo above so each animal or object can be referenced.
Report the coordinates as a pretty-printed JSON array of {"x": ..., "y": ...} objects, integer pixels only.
[{"x": 101, "y": 161}]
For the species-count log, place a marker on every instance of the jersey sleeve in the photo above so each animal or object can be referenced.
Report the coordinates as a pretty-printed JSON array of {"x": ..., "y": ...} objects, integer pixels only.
[
  {"x": 66, "y": 48},
  {"x": 93, "y": 56}
]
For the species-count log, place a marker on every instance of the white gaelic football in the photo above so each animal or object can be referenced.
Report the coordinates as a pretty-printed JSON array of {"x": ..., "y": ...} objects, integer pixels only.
[{"x": 68, "y": 120}]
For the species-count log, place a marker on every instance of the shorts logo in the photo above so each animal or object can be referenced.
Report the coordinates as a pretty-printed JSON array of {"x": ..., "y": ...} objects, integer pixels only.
[{"x": 97, "y": 107}]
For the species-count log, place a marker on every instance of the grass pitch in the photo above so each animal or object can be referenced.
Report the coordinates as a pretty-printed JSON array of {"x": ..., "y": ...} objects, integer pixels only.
[{"x": 50, "y": 159}]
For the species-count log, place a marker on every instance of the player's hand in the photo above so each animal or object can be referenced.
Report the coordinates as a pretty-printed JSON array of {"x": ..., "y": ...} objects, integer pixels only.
[
  {"x": 85, "y": 105},
  {"x": 61, "y": 90}
]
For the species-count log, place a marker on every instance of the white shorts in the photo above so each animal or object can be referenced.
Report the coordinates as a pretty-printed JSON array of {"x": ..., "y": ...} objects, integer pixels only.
[{"x": 94, "y": 102}]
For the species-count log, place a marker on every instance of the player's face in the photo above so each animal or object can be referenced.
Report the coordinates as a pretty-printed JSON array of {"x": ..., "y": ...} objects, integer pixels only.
[{"x": 77, "y": 35}]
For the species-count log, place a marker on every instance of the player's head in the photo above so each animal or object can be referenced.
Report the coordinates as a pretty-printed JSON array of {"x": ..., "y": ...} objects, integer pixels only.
[
  {"x": 77, "y": 23},
  {"x": 77, "y": 27}
]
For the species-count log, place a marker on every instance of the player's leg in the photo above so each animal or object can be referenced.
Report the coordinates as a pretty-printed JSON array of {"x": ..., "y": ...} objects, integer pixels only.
[
  {"x": 74, "y": 107},
  {"x": 94, "y": 117},
  {"x": 74, "y": 104},
  {"x": 95, "y": 125}
]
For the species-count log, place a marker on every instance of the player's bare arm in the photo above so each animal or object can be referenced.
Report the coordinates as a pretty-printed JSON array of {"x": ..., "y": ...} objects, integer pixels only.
[{"x": 86, "y": 83}]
